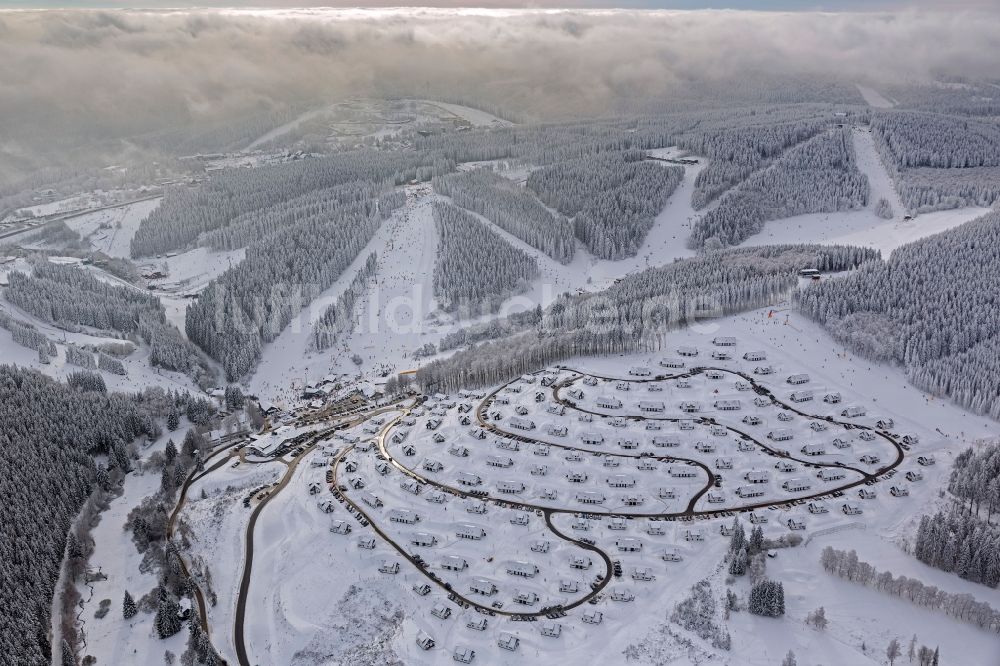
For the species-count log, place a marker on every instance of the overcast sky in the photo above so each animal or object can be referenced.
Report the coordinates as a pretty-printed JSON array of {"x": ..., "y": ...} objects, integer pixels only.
[{"x": 783, "y": 5}]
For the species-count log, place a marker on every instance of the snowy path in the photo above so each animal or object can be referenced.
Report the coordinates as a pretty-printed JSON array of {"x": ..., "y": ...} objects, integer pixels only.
[
  {"x": 863, "y": 227},
  {"x": 870, "y": 163},
  {"x": 111, "y": 230},
  {"x": 477, "y": 117},
  {"x": 284, "y": 129},
  {"x": 874, "y": 97},
  {"x": 392, "y": 310}
]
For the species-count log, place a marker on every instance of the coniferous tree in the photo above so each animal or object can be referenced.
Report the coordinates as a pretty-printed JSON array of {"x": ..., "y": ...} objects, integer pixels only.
[
  {"x": 167, "y": 620},
  {"x": 68, "y": 658},
  {"x": 738, "y": 539},
  {"x": 129, "y": 609},
  {"x": 476, "y": 269},
  {"x": 756, "y": 543},
  {"x": 234, "y": 397},
  {"x": 170, "y": 451},
  {"x": 738, "y": 562},
  {"x": 173, "y": 419},
  {"x": 892, "y": 652}
]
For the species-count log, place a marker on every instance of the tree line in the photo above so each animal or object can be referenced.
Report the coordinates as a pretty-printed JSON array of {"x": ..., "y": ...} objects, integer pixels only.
[
  {"x": 930, "y": 308},
  {"x": 476, "y": 269},
  {"x": 638, "y": 313},
  {"x": 51, "y": 435},
  {"x": 512, "y": 208},
  {"x": 817, "y": 176},
  {"x": 338, "y": 318},
  {"x": 234, "y": 194},
  {"x": 613, "y": 198},
  {"x": 964, "y": 607}
]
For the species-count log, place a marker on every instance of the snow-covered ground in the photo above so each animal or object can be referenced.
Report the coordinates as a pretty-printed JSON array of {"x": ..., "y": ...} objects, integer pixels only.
[
  {"x": 111, "y": 230},
  {"x": 390, "y": 316},
  {"x": 317, "y": 596},
  {"x": 112, "y": 639},
  {"x": 140, "y": 374},
  {"x": 219, "y": 521},
  {"x": 477, "y": 117},
  {"x": 864, "y": 227},
  {"x": 874, "y": 97}
]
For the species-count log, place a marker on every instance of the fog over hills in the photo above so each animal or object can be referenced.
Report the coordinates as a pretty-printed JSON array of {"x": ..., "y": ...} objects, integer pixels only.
[{"x": 115, "y": 82}]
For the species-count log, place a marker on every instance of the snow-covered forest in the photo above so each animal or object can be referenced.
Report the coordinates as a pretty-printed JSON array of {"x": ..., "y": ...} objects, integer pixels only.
[
  {"x": 235, "y": 195},
  {"x": 961, "y": 543},
  {"x": 929, "y": 308},
  {"x": 476, "y": 269},
  {"x": 736, "y": 153},
  {"x": 338, "y": 318},
  {"x": 940, "y": 161},
  {"x": 328, "y": 202},
  {"x": 925, "y": 190},
  {"x": 639, "y": 311},
  {"x": 252, "y": 302},
  {"x": 938, "y": 141},
  {"x": 613, "y": 198},
  {"x": 975, "y": 480},
  {"x": 71, "y": 298},
  {"x": 51, "y": 435},
  {"x": 512, "y": 208},
  {"x": 819, "y": 175}
]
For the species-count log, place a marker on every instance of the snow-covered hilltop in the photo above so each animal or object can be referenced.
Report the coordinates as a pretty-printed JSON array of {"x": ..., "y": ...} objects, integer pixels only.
[{"x": 611, "y": 347}]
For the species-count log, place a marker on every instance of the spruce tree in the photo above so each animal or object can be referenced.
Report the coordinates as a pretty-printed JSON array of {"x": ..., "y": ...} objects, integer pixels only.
[
  {"x": 167, "y": 621},
  {"x": 129, "y": 609},
  {"x": 68, "y": 658},
  {"x": 756, "y": 540},
  {"x": 738, "y": 539},
  {"x": 173, "y": 419},
  {"x": 738, "y": 563}
]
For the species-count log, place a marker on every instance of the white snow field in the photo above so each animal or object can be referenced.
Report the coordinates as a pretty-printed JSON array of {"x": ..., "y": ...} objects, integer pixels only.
[
  {"x": 111, "y": 230},
  {"x": 113, "y": 639},
  {"x": 318, "y": 596},
  {"x": 390, "y": 315},
  {"x": 874, "y": 98},
  {"x": 140, "y": 374},
  {"x": 864, "y": 227}
]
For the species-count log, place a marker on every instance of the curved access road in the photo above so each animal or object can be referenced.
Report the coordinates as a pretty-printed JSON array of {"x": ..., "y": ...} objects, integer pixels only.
[
  {"x": 547, "y": 512},
  {"x": 867, "y": 478}
]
